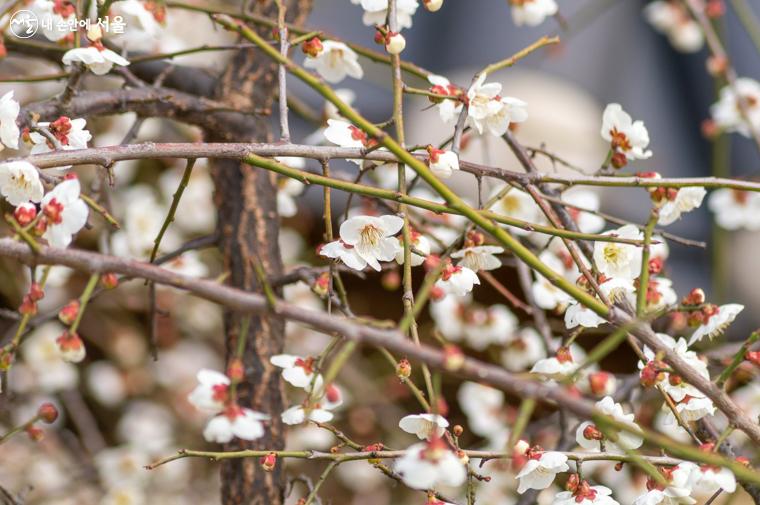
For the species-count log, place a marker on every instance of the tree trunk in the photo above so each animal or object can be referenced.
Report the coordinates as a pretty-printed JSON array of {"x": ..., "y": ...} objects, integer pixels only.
[{"x": 246, "y": 200}]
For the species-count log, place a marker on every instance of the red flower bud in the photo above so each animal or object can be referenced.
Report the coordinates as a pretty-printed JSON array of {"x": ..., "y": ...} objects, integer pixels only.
[
  {"x": 695, "y": 297},
  {"x": 35, "y": 292},
  {"x": 619, "y": 160},
  {"x": 28, "y": 306},
  {"x": 236, "y": 370},
  {"x": 35, "y": 434},
  {"x": 109, "y": 280},
  {"x": 453, "y": 357},
  {"x": 47, "y": 413},
  {"x": 753, "y": 357},
  {"x": 69, "y": 312},
  {"x": 268, "y": 462},
  {"x": 312, "y": 47},
  {"x": 591, "y": 432},
  {"x": 25, "y": 213},
  {"x": 403, "y": 368}
]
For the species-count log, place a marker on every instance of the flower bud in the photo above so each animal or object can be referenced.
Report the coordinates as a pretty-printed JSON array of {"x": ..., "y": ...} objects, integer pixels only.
[
  {"x": 463, "y": 457},
  {"x": 521, "y": 447},
  {"x": 572, "y": 482},
  {"x": 591, "y": 432},
  {"x": 322, "y": 284},
  {"x": 602, "y": 383},
  {"x": 35, "y": 434},
  {"x": 268, "y": 462},
  {"x": 695, "y": 297},
  {"x": 391, "y": 280},
  {"x": 35, "y": 292},
  {"x": 675, "y": 380},
  {"x": 403, "y": 368},
  {"x": 394, "y": 43},
  {"x": 109, "y": 280},
  {"x": 312, "y": 47},
  {"x": 28, "y": 306},
  {"x": 25, "y": 213},
  {"x": 457, "y": 430},
  {"x": 709, "y": 129},
  {"x": 432, "y": 5},
  {"x": 716, "y": 65},
  {"x": 71, "y": 347},
  {"x": 453, "y": 357},
  {"x": 69, "y": 312},
  {"x": 236, "y": 370},
  {"x": 374, "y": 448},
  {"x": 753, "y": 357},
  {"x": 47, "y": 413},
  {"x": 332, "y": 393},
  {"x": 715, "y": 9},
  {"x": 742, "y": 460},
  {"x": 443, "y": 407},
  {"x": 618, "y": 160}
]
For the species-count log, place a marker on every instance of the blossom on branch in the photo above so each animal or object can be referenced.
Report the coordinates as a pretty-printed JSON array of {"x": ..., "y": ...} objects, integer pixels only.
[
  {"x": 334, "y": 62},
  {"x": 20, "y": 182},
  {"x": 430, "y": 464}
]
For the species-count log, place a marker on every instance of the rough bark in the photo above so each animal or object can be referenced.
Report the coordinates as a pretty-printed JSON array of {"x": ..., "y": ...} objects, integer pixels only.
[{"x": 246, "y": 200}]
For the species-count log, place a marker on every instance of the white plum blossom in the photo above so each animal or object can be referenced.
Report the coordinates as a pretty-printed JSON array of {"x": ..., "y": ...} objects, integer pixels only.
[
  {"x": 585, "y": 495},
  {"x": 540, "y": 470},
  {"x": 372, "y": 237},
  {"x": 425, "y": 426},
  {"x": 297, "y": 371},
  {"x": 335, "y": 61},
  {"x": 615, "y": 259},
  {"x": 443, "y": 163},
  {"x": 319, "y": 411},
  {"x": 345, "y": 134},
  {"x": 690, "y": 409},
  {"x": 709, "y": 479},
  {"x": 577, "y": 314},
  {"x": 484, "y": 408},
  {"x": 678, "y": 389},
  {"x": 558, "y": 366},
  {"x": 212, "y": 391},
  {"x": 519, "y": 205},
  {"x": 532, "y": 12},
  {"x": 55, "y": 19},
  {"x": 584, "y": 199},
  {"x": 345, "y": 253},
  {"x": 376, "y": 12},
  {"x": 735, "y": 209},
  {"x": 65, "y": 213},
  {"x": 97, "y": 58},
  {"x": 70, "y": 134},
  {"x": 9, "y": 132},
  {"x": 726, "y": 111},
  {"x": 686, "y": 200},
  {"x": 420, "y": 243},
  {"x": 717, "y": 322},
  {"x": 590, "y": 437},
  {"x": 625, "y": 135},
  {"x": 678, "y": 489},
  {"x": 234, "y": 422},
  {"x": 458, "y": 318},
  {"x": 673, "y": 20},
  {"x": 448, "y": 109},
  {"x": 487, "y": 111},
  {"x": 479, "y": 257},
  {"x": 20, "y": 182},
  {"x": 523, "y": 351},
  {"x": 288, "y": 189},
  {"x": 545, "y": 293},
  {"x": 457, "y": 280},
  {"x": 431, "y": 464},
  {"x": 144, "y": 27}
]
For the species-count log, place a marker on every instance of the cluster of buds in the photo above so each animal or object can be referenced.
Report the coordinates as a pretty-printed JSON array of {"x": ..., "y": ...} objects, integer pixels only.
[
  {"x": 474, "y": 239},
  {"x": 312, "y": 47},
  {"x": 580, "y": 488},
  {"x": 700, "y": 312},
  {"x": 29, "y": 303},
  {"x": 47, "y": 413},
  {"x": 652, "y": 373},
  {"x": 394, "y": 42},
  {"x": 449, "y": 90}
]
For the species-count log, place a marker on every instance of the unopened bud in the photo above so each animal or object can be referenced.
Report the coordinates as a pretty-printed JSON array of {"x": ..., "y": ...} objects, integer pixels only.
[
  {"x": 715, "y": 9},
  {"x": 69, "y": 312},
  {"x": 695, "y": 297},
  {"x": 268, "y": 462},
  {"x": 332, "y": 393},
  {"x": 742, "y": 460},
  {"x": 71, "y": 347},
  {"x": 619, "y": 160},
  {"x": 453, "y": 357},
  {"x": 109, "y": 280},
  {"x": 716, "y": 65},
  {"x": 675, "y": 380},
  {"x": 35, "y": 292},
  {"x": 463, "y": 457},
  {"x": 28, "y": 306},
  {"x": 753, "y": 357},
  {"x": 312, "y": 47},
  {"x": 35, "y": 434},
  {"x": 591, "y": 432},
  {"x": 458, "y": 430},
  {"x": 602, "y": 383},
  {"x": 322, "y": 284},
  {"x": 25, "y": 213},
  {"x": 403, "y": 368},
  {"x": 236, "y": 370},
  {"x": 391, "y": 280},
  {"x": 47, "y": 413},
  {"x": 395, "y": 43},
  {"x": 432, "y": 5}
]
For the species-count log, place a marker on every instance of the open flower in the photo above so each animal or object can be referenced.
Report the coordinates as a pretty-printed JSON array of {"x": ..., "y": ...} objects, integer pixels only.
[
  {"x": 372, "y": 237},
  {"x": 345, "y": 253},
  {"x": 673, "y": 20},
  {"x": 212, "y": 391},
  {"x": 690, "y": 409},
  {"x": 710, "y": 479},
  {"x": 20, "y": 182},
  {"x": 672, "y": 383},
  {"x": 319, "y": 411},
  {"x": 540, "y": 469},
  {"x": 584, "y": 494},
  {"x": 335, "y": 61},
  {"x": 735, "y": 209},
  {"x": 726, "y": 112},
  {"x": 519, "y": 205},
  {"x": 487, "y": 111},
  {"x": 443, "y": 163},
  {"x": 481, "y": 257},
  {"x": 70, "y": 134},
  {"x": 625, "y": 135},
  {"x": 686, "y": 200},
  {"x": 428, "y": 465},
  {"x": 345, "y": 134},
  {"x": 95, "y": 57},
  {"x": 376, "y": 12},
  {"x": 680, "y": 481},
  {"x": 420, "y": 243},
  {"x": 716, "y": 322},
  {"x": 425, "y": 426},
  {"x": 65, "y": 213},
  {"x": 523, "y": 351},
  {"x": 297, "y": 371},
  {"x": 558, "y": 366},
  {"x": 235, "y": 421},
  {"x": 615, "y": 259},
  {"x": 448, "y": 109},
  {"x": 532, "y": 12},
  {"x": 591, "y": 438},
  {"x": 9, "y": 132},
  {"x": 457, "y": 280}
]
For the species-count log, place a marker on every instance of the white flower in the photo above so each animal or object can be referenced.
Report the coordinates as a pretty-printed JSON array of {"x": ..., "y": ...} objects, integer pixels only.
[
  {"x": 625, "y": 135},
  {"x": 448, "y": 110},
  {"x": 142, "y": 30},
  {"x": 524, "y": 351},
  {"x": 678, "y": 490},
  {"x": 425, "y": 426},
  {"x": 486, "y": 110},
  {"x": 623, "y": 439},
  {"x": 457, "y": 280},
  {"x": 690, "y": 409},
  {"x": 615, "y": 259},
  {"x": 672, "y": 19},
  {"x": 735, "y": 209},
  {"x": 9, "y": 109},
  {"x": 579, "y": 315},
  {"x": 43, "y": 356},
  {"x": 519, "y": 205},
  {"x": 726, "y": 112},
  {"x": 55, "y": 19},
  {"x": 479, "y": 257},
  {"x": 717, "y": 322},
  {"x": 484, "y": 326},
  {"x": 345, "y": 134},
  {"x": 678, "y": 389},
  {"x": 20, "y": 182},
  {"x": 372, "y": 237},
  {"x": 420, "y": 243},
  {"x": 212, "y": 391},
  {"x": 376, "y": 12},
  {"x": 297, "y": 371},
  {"x": 395, "y": 43},
  {"x": 65, "y": 213},
  {"x": 343, "y": 252},
  {"x": 545, "y": 293},
  {"x": 319, "y": 411},
  {"x": 686, "y": 200},
  {"x": 70, "y": 133},
  {"x": 335, "y": 61},
  {"x": 558, "y": 366},
  {"x": 585, "y": 495},
  {"x": 287, "y": 190},
  {"x": 235, "y": 422},
  {"x": 540, "y": 470},
  {"x": 98, "y": 59},
  {"x": 532, "y": 12},
  {"x": 484, "y": 408},
  {"x": 585, "y": 199},
  {"x": 430, "y": 464},
  {"x": 443, "y": 163},
  {"x": 710, "y": 479}
]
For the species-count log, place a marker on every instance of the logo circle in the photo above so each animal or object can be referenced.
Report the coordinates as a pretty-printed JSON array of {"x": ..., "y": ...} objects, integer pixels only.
[{"x": 24, "y": 24}]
